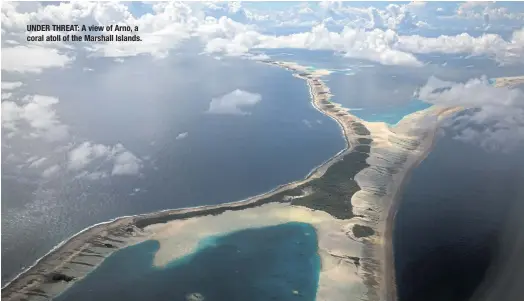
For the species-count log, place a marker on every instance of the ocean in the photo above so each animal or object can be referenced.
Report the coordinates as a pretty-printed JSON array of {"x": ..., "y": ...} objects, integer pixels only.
[
  {"x": 451, "y": 226},
  {"x": 271, "y": 263},
  {"x": 145, "y": 105}
]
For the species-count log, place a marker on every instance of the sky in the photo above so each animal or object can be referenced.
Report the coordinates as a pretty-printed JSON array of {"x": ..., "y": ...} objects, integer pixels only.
[{"x": 390, "y": 34}]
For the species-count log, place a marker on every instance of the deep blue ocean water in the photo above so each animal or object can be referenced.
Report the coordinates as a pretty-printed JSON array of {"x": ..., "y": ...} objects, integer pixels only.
[
  {"x": 452, "y": 218},
  {"x": 145, "y": 105},
  {"x": 271, "y": 263}
]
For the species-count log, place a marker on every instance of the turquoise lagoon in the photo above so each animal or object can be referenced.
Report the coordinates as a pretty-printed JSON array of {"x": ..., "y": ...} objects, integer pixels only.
[
  {"x": 271, "y": 263},
  {"x": 390, "y": 114}
]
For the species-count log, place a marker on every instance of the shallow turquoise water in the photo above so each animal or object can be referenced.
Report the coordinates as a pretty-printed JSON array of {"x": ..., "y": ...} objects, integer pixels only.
[
  {"x": 390, "y": 114},
  {"x": 259, "y": 151},
  {"x": 270, "y": 263}
]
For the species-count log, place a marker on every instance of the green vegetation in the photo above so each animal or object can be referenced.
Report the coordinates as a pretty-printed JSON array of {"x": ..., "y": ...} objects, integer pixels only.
[
  {"x": 364, "y": 140},
  {"x": 362, "y": 148},
  {"x": 331, "y": 193},
  {"x": 362, "y": 231},
  {"x": 360, "y": 129}
]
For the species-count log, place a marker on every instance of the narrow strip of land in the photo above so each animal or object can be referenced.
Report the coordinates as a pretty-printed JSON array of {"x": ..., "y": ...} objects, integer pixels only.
[
  {"x": 359, "y": 186},
  {"x": 509, "y": 81},
  {"x": 74, "y": 259}
]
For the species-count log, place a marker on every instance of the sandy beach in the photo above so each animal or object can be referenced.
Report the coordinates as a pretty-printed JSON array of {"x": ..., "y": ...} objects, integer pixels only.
[
  {"x": 58, "y": 269},
  {"x": 388, "y": 288},
  {"x": 390, "y": 153},
  {"x": 509, "y": 81}
]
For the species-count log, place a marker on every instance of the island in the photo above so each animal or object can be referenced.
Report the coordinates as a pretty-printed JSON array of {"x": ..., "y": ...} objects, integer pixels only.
[
  {"x": 509, "y": 81},
  {"x": 350, "y": 201}
]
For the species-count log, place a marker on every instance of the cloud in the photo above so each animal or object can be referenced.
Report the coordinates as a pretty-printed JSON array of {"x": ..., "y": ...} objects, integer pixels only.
[
  {"x": 182, "y": 136},
  {"x": 173, "y": 23},
  {"x": 36, "y": 162},
  {"x": 36, "y": 117},
  {"x": 11, "y": 85},
  {"x": 473, "y": 93},
  {"x": 479, "y": 10},
  {"x": 392, "y": 16},
  {"x": 234, "y": 30},
  {"x": 488, "y": 44},
  {"x": 165, "y": 28},
  {"x": 231, "y": 103},
  {"x": 123, "y": 161},
  {"x": 259, "y": 57},
  {"x": 85, "y": 153},
  {"x": 51, "y": 171},
  {"x": 169, "y": 24},
  {"x": 376, "y": 45},
  {"x": 95, "y": 175},
  {"x": 494, "y": 118},
  {"x": 395, "y": 16},
  {"x": 38, "y": 113},
  {"x": 32, "y": 59},
  {"x": 307, "y": 123}
]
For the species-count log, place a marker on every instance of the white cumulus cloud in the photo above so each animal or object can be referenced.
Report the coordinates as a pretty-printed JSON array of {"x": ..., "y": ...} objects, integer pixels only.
[
  {"x": 234, "y": 30},
  {"x": 37, "y": 112},
  {"x": 495, "y": 116},
  {"x": 182, "y": 136},
  {"x": 232, "y": 103},
  {"x": 11, "y": 85},
  {"x": 375, "y": 45},
  {"x": 85, "y": 153},
  {"x": 488, "y": 44},
  {"x": 32, "y": 59},
  {"x": 123, "y": 161}
]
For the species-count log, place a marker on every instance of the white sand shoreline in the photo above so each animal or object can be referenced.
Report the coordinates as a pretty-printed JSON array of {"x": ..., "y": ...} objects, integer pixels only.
[
  {"x": 314, "y": 173},
  {"x": 83, "y": 240}
]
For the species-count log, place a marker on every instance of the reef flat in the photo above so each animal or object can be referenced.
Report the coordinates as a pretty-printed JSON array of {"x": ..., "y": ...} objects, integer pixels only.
[
  {"x": 509, "y": 81},
  {"x": 349, "y": 200},
  {"x": 390, "y": 153},
  {"x": 259, "y": 264}
]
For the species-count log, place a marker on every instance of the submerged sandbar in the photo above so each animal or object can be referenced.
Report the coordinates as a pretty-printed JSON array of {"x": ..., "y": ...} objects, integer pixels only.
[
  {"x": 268, "y": 263},
  {"x": 292, "y": 202}
]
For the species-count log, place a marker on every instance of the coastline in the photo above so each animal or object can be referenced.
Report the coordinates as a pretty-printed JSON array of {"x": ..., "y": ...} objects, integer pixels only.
[
  {"x": 389, "y": 285},
  {"x": 26, "y": 281},
  {"x": 375, "y": 202},
  {"x": 388, "y": 289},
  {"x": 508, "y": 81}
]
